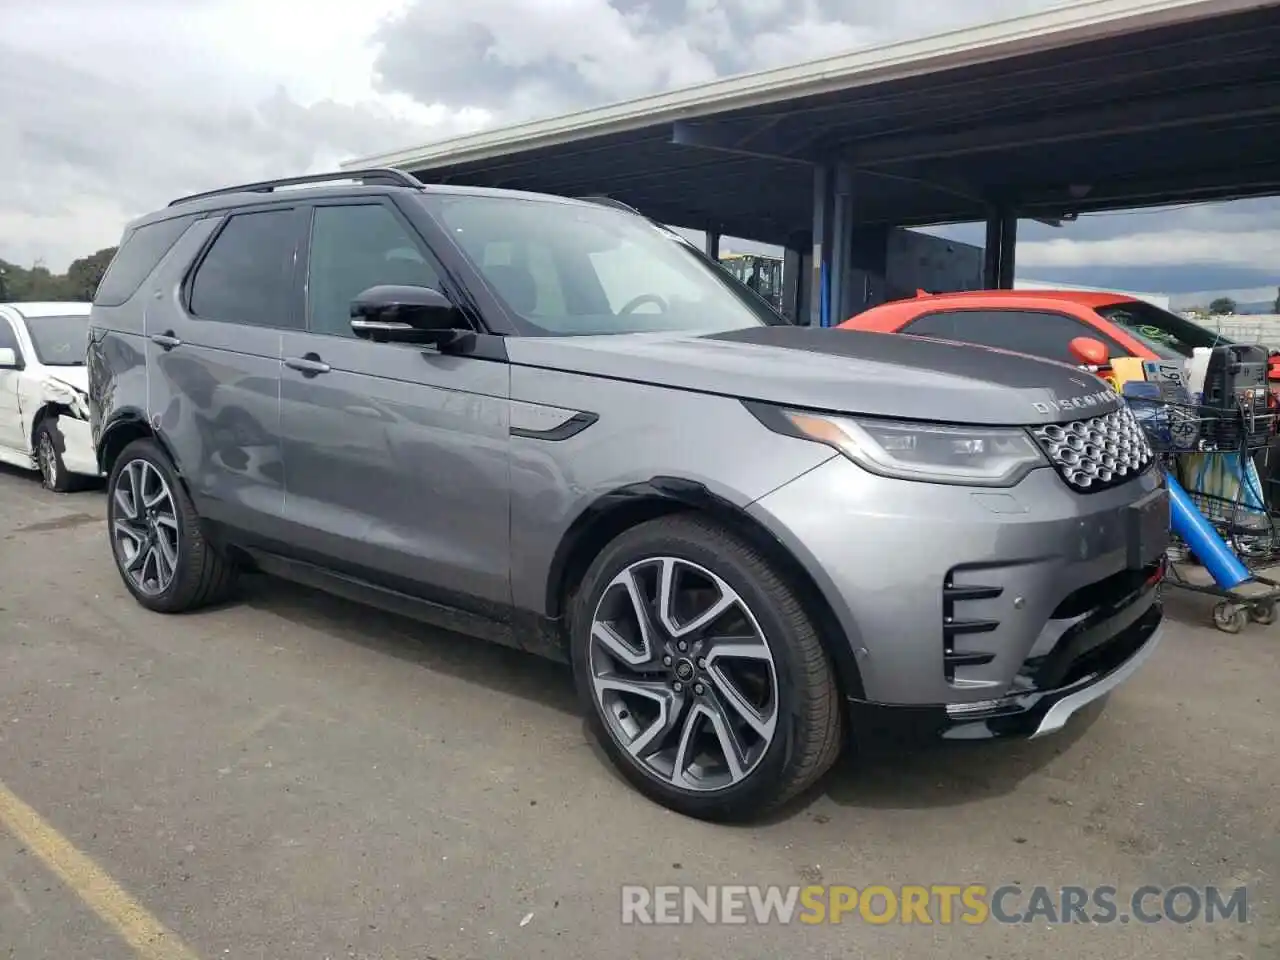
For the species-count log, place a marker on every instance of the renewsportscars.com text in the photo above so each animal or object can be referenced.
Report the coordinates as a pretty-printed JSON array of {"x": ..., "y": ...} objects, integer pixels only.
[{"x": 940, "y": 904}]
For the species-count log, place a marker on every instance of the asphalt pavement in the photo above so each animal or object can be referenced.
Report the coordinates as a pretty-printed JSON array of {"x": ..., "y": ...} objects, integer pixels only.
[{"x": 293, "y": 777}]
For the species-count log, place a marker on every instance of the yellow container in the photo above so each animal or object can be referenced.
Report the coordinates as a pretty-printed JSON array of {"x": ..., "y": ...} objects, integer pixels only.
[{"x": 1125, "y": 369}]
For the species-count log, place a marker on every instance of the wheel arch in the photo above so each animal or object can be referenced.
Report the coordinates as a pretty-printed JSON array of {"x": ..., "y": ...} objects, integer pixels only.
[
  {"x": 628, "y": 506},
  {"x": 126, "y": 427},
  {"x": 50, "y": 409}
]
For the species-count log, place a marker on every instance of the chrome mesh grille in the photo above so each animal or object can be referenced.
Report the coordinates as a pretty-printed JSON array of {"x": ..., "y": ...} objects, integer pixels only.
[{"x": 1096, "y": 453}]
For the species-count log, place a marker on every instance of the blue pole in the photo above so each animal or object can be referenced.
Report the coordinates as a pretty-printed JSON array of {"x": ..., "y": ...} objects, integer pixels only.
[
  {"x": 825, "y": 307},
  {"x": 1211, "y": 550}
]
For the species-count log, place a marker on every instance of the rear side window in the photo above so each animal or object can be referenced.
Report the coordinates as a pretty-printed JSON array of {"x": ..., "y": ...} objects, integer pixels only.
[
  {"x": 1039, "y": 334},
  {"x": 138, "y": 255},
  {"x": 247, "y": 275}
]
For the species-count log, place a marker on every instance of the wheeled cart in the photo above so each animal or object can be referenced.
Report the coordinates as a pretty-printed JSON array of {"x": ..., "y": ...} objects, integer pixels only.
[{"x": 1232, "y": 532}]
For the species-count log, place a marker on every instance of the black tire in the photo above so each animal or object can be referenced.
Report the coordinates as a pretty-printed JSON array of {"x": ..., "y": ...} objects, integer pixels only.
[
  {"x": 809, "y": 734},
  {"x": 1263, "y": 612},
  {"x": 47, "y": 447},
  {"x": 203, "y": 575}
]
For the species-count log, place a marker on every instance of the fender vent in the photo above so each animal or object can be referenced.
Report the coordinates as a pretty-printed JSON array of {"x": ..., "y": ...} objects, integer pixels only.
[{"x": 956, "y": 624}]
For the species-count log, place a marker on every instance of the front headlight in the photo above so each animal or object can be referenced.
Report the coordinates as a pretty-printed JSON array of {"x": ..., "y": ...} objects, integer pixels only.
[{"x": 977, "y": 456}]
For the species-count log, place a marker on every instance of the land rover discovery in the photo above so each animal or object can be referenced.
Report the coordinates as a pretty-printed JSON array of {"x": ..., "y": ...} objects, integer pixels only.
[{"x": 554, "y": 424}]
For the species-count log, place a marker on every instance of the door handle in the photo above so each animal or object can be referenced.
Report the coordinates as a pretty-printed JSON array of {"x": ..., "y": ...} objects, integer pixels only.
[
  {"x": 308, "y": 366},
  {"x": 166, "y": 340}
]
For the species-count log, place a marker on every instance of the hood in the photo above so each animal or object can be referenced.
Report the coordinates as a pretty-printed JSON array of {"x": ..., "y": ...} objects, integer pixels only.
[
  {"x": 846, "y": 371},
  {"x": 77, "y": 377}
]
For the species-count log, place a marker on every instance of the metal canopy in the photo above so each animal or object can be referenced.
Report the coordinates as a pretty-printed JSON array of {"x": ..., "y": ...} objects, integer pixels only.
[{"x": 1102, "y": 105}]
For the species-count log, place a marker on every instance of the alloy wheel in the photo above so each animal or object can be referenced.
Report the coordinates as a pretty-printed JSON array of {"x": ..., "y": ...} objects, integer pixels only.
[
  {"x": 144, "y": 527},
  {"x": 683, "y": 674},
  {"x": 48, "y": 457}
]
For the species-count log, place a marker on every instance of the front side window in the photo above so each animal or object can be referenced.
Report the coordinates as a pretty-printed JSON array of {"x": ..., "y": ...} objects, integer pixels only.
[
  {"x": 1166, "y": 334},
  {"x": 1039, "y": 334},
  {"x": 353, "y": 248},
  {"x": 576, "y": 269},
  {"x": 8, "y": 340},
  {"x": 247, "y": 275},
  {"x": 58, "y": 341}
]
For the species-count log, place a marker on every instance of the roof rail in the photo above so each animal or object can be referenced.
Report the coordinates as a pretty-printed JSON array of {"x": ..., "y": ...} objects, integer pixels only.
[{"x": 374, "y": 176}]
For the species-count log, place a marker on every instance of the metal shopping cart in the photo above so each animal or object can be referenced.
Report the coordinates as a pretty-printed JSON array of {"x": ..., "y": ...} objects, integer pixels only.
[{"x": 1212, "y": 455}]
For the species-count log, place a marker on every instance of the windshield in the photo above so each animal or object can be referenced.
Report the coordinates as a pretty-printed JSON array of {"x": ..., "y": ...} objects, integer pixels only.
[
  {"x": 1168, "y": 335},
  {"x": 59, "y": 341},
  {"x": 575, "y": 269}
]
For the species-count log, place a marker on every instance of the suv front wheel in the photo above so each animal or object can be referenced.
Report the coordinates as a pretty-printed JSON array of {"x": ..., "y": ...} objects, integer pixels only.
[
  {"x": 706, "y": 682},
  {"x": 159, "y": 548}
]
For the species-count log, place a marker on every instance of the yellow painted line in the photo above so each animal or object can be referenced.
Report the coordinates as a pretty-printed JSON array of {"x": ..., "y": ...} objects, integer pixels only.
[{"x": 147, "y": 936}]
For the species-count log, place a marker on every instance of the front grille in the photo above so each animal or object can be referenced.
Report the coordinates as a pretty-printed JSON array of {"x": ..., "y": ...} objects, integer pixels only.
[{"x": 1097, "y": 453}]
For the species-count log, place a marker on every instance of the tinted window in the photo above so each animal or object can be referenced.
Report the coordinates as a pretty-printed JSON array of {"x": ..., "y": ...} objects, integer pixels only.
[
  {"x": 247, "y": 275},
  {"x": 354, "y": 248},
  {"x": 59, "y": 341},
  {"x": 137, "y": 257},
  {"x": 1168, "y": 335},
  {"x": 1045, "y": 335}
]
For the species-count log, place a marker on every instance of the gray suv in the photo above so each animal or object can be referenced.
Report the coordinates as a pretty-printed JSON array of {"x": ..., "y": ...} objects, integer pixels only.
[{"x": 555, "y": 424}]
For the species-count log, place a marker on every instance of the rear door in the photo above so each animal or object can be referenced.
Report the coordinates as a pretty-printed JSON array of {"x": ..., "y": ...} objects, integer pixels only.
[
  {"x": 396, "y": 456},
  {"x": 213, "y": 347}
]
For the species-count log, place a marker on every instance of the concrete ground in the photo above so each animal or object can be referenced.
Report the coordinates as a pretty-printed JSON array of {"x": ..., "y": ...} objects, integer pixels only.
[{"x": 296, "y": 778}]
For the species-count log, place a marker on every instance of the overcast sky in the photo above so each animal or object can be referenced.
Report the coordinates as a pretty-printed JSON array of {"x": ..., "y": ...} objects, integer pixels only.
[{"x": 112, "y": 107}]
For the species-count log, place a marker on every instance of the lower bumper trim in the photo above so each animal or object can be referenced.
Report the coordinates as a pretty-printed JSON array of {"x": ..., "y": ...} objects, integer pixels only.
[
  {"x": 1020, "y": 716},
  {"x": 1058, "y": 714}
]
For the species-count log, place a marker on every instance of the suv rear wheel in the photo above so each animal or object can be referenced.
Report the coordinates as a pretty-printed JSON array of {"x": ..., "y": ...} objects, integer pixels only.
[
  {"x": 159, "y": 548},
  {"x": 706, "y": 682}
]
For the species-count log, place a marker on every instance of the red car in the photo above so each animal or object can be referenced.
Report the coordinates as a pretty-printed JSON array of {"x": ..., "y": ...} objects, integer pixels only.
[
  {"x": 1045, "y": 322},
  {"x": 1076, "y": 327}
]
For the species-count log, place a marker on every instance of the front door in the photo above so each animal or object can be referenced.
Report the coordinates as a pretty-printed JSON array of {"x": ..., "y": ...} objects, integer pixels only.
[
  {"x": 396, "y": 456},
  {"x": 213, "y": 352},
  {"x": 12, "y": 436}
]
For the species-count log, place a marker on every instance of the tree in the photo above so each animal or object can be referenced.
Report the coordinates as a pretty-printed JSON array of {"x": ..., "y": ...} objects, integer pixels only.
[
  {"x": 1222, "y": 306},
  {"x": 38, "y": 282},
  {"x": 84, "y": 275},
  {"x": 1277, "y": 306}
]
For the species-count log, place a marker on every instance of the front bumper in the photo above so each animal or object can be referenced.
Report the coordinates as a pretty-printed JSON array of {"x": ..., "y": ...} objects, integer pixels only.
[
  {"x": 1020, "y": 716},
  {"x": 958, "y": 599}
]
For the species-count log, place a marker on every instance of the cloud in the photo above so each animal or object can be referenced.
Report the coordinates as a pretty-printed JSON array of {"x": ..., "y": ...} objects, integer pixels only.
[
  {"x": 1258, "y": 249},
  {"x": 1227, "y": 246},
  {"x": 1180, "y": 250},
  {"x": 110, "y": 113},
  {"x": 528, "y": 58},
  {"x": 111, "y": 109}
]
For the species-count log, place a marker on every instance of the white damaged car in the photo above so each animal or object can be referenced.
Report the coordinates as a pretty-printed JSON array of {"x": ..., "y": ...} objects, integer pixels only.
[{"x": 44, "y": 412}]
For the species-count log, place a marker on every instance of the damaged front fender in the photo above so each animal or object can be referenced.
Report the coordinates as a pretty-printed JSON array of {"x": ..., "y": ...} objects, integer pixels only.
[
  {"x": 61, "y": 393},
  {"x": 64, "y": 409}
]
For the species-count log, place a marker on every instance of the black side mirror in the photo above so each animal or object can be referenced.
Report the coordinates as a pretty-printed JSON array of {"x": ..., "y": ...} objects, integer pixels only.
[{"x": 407, "y": 314}]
